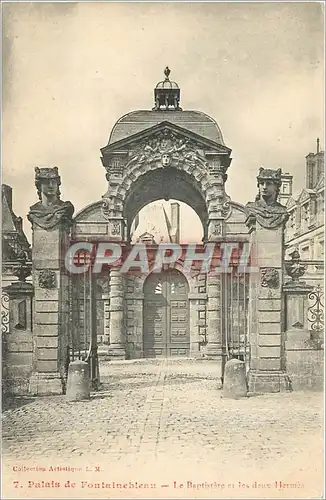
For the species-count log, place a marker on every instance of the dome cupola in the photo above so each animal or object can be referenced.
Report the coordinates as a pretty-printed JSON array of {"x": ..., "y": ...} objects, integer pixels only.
[{"x": 167, "y": 94}]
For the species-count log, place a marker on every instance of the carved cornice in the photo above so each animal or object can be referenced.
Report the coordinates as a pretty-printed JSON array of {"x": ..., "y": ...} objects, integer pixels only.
[{"x": 127, "y": 142}]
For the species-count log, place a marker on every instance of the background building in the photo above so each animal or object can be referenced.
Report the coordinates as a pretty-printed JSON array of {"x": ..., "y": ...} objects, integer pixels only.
[{"x": 305, "y": 228}]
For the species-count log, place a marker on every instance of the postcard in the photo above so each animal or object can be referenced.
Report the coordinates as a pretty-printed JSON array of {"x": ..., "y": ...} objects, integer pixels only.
[{"x": 162, "y": 299}]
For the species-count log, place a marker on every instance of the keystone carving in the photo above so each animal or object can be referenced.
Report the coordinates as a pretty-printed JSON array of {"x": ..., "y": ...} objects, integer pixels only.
[{"x": 167, "y": 148}]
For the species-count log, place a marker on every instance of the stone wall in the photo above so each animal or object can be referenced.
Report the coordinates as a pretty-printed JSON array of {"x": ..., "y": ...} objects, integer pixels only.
[
  {"x": 304, "y": 347},
  {"x": 17, "y": 343},
  {"x": 304, "y": 360}
]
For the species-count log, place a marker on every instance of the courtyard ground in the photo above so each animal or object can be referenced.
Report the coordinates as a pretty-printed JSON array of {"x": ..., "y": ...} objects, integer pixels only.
[{"x": 162, "y": 429}]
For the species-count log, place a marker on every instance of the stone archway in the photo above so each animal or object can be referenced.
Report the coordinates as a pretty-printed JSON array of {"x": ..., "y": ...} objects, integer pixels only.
[
  {"x": 165, "y": 184},
  {"x": 166, "y": 315},
  {"x": 165, "y": 162},
  {"x": 170, "y": 162}
]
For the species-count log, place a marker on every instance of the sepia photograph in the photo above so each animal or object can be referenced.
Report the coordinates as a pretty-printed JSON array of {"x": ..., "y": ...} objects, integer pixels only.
[{"x": 162, "y": 292}]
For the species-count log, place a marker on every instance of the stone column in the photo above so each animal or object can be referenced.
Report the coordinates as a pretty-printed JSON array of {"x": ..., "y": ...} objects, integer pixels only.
[
  {"x": 50, "y": 315},
  {"x": 266, "y": 330},
  {"x": 106, "y": 307},
  {"x": 51, "y": 219},
  {"x": 117, "y": 347},
  {"x": 214, "y": 337}
]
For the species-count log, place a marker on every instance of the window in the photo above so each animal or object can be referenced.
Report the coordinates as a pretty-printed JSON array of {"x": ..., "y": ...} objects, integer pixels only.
[
  {"x": 304, "y": 252},
  {"x": 292, "y": 220},
  {"x": 321, "y": 251},
  {"x": 305, "y": 215},
  {"x": 298, "y": 217}
]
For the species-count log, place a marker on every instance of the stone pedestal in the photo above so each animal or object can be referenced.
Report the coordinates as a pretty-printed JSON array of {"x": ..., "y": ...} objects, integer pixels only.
[
  {"x": 235, "y": 380},
  {"x": 214, "y": 337},
  {"x": 50, "y": 314},
  {"x": 78, "y": 383},
  {"x": 265, "y": 318},
  {"x": 117, "y": 348}
]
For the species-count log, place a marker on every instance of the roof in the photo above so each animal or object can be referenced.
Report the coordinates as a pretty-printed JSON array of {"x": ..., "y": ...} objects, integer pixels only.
[
  {"x": 167, "y": 84},
  {"x": 194, "y": 121}
]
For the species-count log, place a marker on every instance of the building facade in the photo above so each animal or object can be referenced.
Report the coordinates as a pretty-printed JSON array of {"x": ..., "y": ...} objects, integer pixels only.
[{"x": 305, "y": 228}]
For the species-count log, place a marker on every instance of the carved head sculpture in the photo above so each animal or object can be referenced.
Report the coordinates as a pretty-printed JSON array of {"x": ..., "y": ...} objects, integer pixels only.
[
  {"x": 47, "y": 182},
  {"x": 166, "y": 160},
  {"x": 269, "y": 183}
]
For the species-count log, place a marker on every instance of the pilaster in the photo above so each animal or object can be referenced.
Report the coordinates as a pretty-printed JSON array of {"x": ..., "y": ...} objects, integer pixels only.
[
  {"x": 266, "y": 332},
  {"x": 50, "y": 314},
  {"x": 214, "y": 334}
]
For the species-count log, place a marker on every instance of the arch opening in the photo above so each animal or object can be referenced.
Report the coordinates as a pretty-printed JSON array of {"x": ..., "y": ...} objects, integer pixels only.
[
  {"x": 166, "y": 184},
  {"x": 167, "y": 222}
]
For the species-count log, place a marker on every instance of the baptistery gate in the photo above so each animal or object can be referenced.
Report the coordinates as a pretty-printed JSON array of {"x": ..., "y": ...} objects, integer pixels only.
[{"x": 165, "y": 153}]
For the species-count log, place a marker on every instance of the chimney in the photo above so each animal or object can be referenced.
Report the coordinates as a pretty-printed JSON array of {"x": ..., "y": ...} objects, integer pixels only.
[
  {"x": 175, "y": 222},
  {"x": 19, "y": 224},
  {"x": 7, "y": 193},
  {"x": 317, "y": 145},
  {"x": 286, "y": 188}
]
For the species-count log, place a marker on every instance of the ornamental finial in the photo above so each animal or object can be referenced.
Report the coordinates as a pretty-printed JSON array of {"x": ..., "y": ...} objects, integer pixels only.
[{"x": 167, "y": 72}]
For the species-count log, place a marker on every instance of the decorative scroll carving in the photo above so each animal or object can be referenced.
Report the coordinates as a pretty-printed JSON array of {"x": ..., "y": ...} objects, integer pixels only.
[
  {"x": 115, "y": 228},
  {"x": 50, "y": 210},
  {"x": 265, "y": 209},
  {"x": 316, "y": 312},
  {"x": 270, "y": 278},
  {"x": 4, "y": 313},
  {"x": 47, "y": 279},
  {"x": 216, "y": 228}
]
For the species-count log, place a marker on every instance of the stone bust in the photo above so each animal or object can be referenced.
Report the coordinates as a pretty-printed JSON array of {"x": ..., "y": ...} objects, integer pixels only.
[
  {"x": 50, "y": 210},
  {"x": 268, "y": 212}
]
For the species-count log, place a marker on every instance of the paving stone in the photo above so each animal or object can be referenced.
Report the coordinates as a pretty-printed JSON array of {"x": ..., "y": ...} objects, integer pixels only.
[{"x": 190, "y": 422}]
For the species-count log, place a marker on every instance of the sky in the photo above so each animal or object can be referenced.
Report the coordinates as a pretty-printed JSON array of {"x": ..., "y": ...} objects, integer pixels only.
[{"x": 70, "y": 70}]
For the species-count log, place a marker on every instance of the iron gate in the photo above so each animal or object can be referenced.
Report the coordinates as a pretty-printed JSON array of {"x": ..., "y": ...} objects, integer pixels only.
[
  {"x": 83, "y": 323},
  {"x": 234, "y": 320}
]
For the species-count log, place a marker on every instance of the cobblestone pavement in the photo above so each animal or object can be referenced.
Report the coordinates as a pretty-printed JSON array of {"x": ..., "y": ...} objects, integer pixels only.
[{"x": 166, "y": 421}]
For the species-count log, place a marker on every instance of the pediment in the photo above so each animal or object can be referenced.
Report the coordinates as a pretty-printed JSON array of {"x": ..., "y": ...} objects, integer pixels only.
[
  {"x": 90, "y": 213},
  {"x": 291, "y": 203},
  {"x": 166, "y": 129},
  {"x": 146, "y": 238},
  {"x": 305, "y": 195}
]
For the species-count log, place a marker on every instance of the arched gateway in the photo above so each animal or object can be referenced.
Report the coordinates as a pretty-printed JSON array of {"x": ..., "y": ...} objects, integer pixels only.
[
  {"x": 177, "y": 310},
  {"x": 164, "y": 153}
]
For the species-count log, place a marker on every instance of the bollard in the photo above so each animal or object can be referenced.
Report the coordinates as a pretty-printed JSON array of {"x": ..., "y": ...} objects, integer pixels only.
[
  {"x": 235, "y": 381},
  {"x": 78, "y": 384}
]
